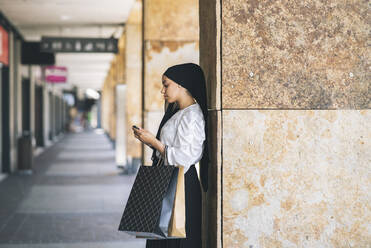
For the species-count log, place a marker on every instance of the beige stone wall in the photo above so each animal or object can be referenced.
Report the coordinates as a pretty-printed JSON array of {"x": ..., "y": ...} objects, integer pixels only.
[
  {"x": 166, "y": 20},
  {"x": 116, "y": 75},
  {"x": 171, "y": 34},
  {"x": 296, "y": 178},
  {"x": 133, "y": 68},
  {"x": 159, "y": 56},
  {"x": 295, "y": 54},
  {"x": 290, "y": 137}
]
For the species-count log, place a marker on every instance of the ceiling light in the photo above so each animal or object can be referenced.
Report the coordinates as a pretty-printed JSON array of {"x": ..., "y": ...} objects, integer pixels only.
[
  {"x": 65, "y": 17},
  {"x": 93, "y": 94}
]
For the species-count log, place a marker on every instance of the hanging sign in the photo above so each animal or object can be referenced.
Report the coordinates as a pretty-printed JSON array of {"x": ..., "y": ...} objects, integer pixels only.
[
  {"x": 55, "y": 74},
  {"x": 78, "y": 45},
  {"x": 4, "y": 46}
]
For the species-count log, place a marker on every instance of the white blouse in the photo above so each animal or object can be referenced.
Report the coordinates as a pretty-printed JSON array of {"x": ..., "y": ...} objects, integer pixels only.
[{"x": 184, "y": 134}]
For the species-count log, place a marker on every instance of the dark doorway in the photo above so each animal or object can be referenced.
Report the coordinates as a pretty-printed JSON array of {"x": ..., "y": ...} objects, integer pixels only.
[
  {"x": 51, "y": 116},
  {"x": 57, "y": 115},
  {"x": 39, "y": 117},
  {"x": 5, "y": 112},
  {"x": 26, "y": 103}
]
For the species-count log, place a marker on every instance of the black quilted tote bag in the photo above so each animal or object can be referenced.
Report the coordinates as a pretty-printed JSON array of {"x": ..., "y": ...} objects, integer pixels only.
[{"x": 142, "y": 213}]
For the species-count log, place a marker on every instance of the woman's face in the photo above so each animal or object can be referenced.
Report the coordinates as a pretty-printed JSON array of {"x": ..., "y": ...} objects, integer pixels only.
[{"x": 170, "y": 89}]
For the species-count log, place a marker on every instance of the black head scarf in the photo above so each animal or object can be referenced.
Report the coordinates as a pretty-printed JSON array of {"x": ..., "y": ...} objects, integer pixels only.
[{"x": 191, "y": 77}]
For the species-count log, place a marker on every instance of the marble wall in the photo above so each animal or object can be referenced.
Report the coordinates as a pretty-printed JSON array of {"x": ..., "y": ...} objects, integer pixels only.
[
  {"x": 290, "y": 82},
  {"x": 295, "y": 54},
  {"x": 168, "y": 20},
  {"x": 296, "y": 178}
]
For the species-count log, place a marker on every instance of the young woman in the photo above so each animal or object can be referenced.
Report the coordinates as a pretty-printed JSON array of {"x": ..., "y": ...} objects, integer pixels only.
[{"x": 182, "y": 138}]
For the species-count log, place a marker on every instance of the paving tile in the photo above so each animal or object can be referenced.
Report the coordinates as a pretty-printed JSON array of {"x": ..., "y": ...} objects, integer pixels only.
[
  {"x": 86, "y": 155},
  {"x": 75, "y": 199},
  {"x": 2, "y": 176},
  {"x": 69, "y": 179},
  {"x": 55, "y": 228},
  {"x": 77, "y": 168},
  {"x": 80, "y": 159},
  {"x": 88, "y": 148},
  {"x": 125, "y": 244},
  {"x": 72, "y": 144}
]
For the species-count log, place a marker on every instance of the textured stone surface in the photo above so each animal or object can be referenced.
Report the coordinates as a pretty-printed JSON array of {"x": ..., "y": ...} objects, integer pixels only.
[
  {"x": 296, "y": 178},
  {"x": 296, "y": 54},
  {"x": 158, "y": 57},
  {"x": 167, "y": 20}
]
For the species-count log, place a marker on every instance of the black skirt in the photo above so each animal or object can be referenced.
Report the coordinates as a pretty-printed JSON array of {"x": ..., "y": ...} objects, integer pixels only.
[{"x": 193, "y": 202}]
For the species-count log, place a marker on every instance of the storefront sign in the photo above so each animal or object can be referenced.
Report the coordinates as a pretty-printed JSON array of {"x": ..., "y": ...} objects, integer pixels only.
[
  {"x": 4, "y": 46},
  {"x": 78, "y": 45},
  {"x": 55, "y": 74}
]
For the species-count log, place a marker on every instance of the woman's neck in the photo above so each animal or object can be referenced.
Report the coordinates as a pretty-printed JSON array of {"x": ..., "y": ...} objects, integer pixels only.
[{"x": 185, "y": 103}]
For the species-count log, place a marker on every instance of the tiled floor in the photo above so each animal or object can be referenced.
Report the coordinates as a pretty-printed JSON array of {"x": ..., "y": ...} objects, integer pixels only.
[
  {"x": 2, "y": 177},
  {"x": 74, "y": 198}
]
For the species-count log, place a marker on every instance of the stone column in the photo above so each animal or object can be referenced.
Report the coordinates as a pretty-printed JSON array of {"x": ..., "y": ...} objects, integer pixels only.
[
  {"x": 120, "y": 103},
  {"x": 105, "y": 106},
  {"x": 109, "y": 106},
  {"x": 115, "y": 76},
  {"x": 290, "y": 91},
  {"x": 133, "y": 68},
  {"x": 210, "y": 61},
  {"x": 12, "y": 97},
  {"x": 171, "y": 34},
  {"x": 121, "y": 123}
]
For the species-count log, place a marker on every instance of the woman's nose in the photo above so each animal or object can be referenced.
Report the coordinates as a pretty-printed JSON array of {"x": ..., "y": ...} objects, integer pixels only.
[{"x": 163, "y": 90}]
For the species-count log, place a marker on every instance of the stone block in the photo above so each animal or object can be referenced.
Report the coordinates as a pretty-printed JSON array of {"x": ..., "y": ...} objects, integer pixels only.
[
  {"x": 158, "y": 57},
  {"x": 168, "y": 20},
  {"x": 296, "y": 178},
  {"x": 295, "y": 55}
]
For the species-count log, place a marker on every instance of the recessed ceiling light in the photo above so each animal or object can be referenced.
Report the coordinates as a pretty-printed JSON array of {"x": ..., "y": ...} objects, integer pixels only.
[{"x": 65, "y": 17}]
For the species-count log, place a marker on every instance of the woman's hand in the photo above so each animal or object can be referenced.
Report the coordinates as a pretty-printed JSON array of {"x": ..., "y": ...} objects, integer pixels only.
[
  {"x": 149, "y": 139},
  {"x": 144, "y": 136}
]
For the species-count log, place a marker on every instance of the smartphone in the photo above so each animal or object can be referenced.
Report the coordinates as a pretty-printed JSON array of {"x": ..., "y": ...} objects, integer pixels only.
[{"x": 135, "y": 127}]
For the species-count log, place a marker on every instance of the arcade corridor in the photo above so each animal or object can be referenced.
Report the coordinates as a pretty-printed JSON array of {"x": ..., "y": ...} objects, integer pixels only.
[{"x": 74, "y": 198}]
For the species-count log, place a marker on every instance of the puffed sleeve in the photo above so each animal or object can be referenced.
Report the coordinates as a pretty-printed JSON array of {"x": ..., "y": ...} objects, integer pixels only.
[{"x": 188, "y": 142}]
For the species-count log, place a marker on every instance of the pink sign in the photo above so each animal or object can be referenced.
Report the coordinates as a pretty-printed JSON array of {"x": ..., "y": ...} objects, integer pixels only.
[{"x": 55, "y": 74}]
